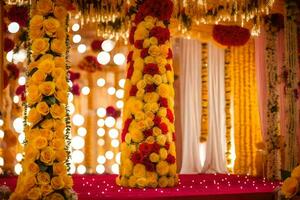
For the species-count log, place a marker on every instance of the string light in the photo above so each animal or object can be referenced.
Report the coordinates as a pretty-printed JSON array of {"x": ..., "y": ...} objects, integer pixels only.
[
  {"x": 76, "y": 38},
  {"x": 101, "y": 122},
  {"x": 110, "y": 121},
  {"x": 77, "y": 156},
  {"x": 81, "y": 48},
  {"x": 18, "y": 168},
  {"x": 100, "y": 132},
  {"x": 120, "y": 104},
  {"x": 22, "y": 80},
  {"x": 1, "y": 134},
  {"x": 101, "y": 82},
  {"x": 82, "y": 131},
  {"x": 81, "y": 169},
  {"x": 122, "y": 83},
  {"x": 119, "y": 59},
  {"x": 75, "y": 27},
  {"x": 101, "y": 142},
  {"x": 109, "y": 155},
  {"x": 100, "y": 169},
  {"x": 111, "y": 90},
  {"x": 18, "y": 125},
  {"x": 103, "y": 58},
  {"x": 108, "y": 45},
  {"x": 101, "y": 112},
  {"x": 13, "y": 27},
  {"x": 101, "y": 159},
  {"x": 9, "y": 56},
  {"x": 78, "y": 120},
  {"x": 77, "y": 142},
  {"x": 113, "y": 133},
  {"x": 120, "y": 94}
]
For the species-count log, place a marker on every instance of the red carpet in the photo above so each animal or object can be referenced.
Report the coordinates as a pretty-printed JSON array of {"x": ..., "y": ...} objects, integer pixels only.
[{"x": 200, "y": 186}]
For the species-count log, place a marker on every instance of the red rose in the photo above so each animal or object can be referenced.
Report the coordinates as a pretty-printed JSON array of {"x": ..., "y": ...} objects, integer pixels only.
[
  {"x": 133, "y": 90},
  {"x": 131, "y": 34},
  {"x": 174, "y": 136},
  {"x": 162, "y": 34},
  {"x": 155, "y": 147},
  {"x": 151, "y": 69},
  {"x": 170, "y": 159},
  {"x": 138, "y": 44},
  {"x": 170, "y": 115},
  {"x": 19, "y": 14},
  {"x": 170, "y": 54},
  {"x": 8, "y": 44},
  {"x": 144, "y": 53},
  {"x": 74, "y": 76},
  {"x": 130, "y": 70},
  {"x": 168, "y": 67},
  {"x": 13, "y": 70},
  {"x": 75, "y": 89},
  {"x": 145, "y": 148},
  {"x": 167, "y": 145},
  {"x": 148, "y": 133},
  {"x": 157, "y": 120},
  {"x": 164, "y": 128},
  {"x": 129, "y": 56},
  {"x": 148, "y": 164},
  {"x": 96, "y": 45},
  {"x": 136, "y": 157},
  {"x": 111, "y": 111},
  {"x": 163, "y": 102},
  {"x": 125, "y": 129},
  {"x": 20, "y": 90},
  {"x": 150, "y": 88}
]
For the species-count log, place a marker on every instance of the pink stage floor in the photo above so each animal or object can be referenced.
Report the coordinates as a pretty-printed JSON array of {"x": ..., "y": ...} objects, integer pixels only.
[{"x": 200, "y": 186}]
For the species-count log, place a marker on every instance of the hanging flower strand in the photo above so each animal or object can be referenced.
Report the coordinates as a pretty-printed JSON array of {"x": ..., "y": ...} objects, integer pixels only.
[
  {"x": 148, "y": 156},
  {"x": 44, "y": 174}
]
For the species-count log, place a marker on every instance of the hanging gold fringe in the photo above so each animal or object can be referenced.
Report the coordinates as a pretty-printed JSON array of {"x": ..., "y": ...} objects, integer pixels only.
[
  {"x": 246, "y": 121},
  {"x": 204, "y": 102}
]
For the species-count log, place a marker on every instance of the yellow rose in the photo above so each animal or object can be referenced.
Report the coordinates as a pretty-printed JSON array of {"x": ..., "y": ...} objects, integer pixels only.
[
  {"x": 137, "y": 135},
  {"x": 140, "y": 94},
  {"x": 46, "y": 133},
  {"x": 154, "y": 107},
  {"x": 296, "y": 173},
  {"x": 136, "y": 76},
  {"x": 59, "y": 168},
  {"x": 163, "y": 182},
  {"x": 34, "y": 116},
  {"x": 33, "y": 168},
  {"x": 154, "y": 157},
  {"x": 37, "y": 77},
  {"x": 60, "y": 13},
  {"x": 30, "y": 181},
  {"x": 44, "y": 6},
  {"x": 141, "y": 84},
  {"x": 46, "y": 65},
  {"x": 127, "y": 167},
  {"x": 172, "y": 149},
  {"x": 161, "y": 139},
  {"x": 47, "y": 88},
  {"x": 43, "y": 178},
  {"x": 46, "y": 189},
  {"x": 40, "y": 142},
  {"x": 57, "y": 183},
  {"x": 173, "y": 169},
  {"x": 163, "y": 90},
  {"x": 47, "y": 155},
  {"x": 149, "y": 25},
  {"x": 156, "y": 131},
  {"x": 43, "y": 108},
  {"x": 133, "y": 148},
  {"x": 151, "y": 97},
  {"x": 170, "y": 77},
  {"x": 58, "y": 143},
  {"x": 36, "y": 22},
  {"x": 51, "y": 25},
  {"x": 58, "y": 73},
  {"x": 150, "y": 139},
  {"x": 162, "y": 69},
  {"x": 40, "y": 46},
  {"x": 146, "y": 43},
  {"x": 36, "y": 33},
  {"x": 45, "y": 57},
  {"x": 149, "y": 59},
  {"x": 58, "y": 111},
  {"x": 61, "y": 33},
  {"x": 141, "y": 33},
  {"x": 141, "y": 182},
  {"x": 161, "y": 24},
  {"x": 164, "y": 49},
  {"x": 140, "y": 115},
  {"x": 132, "y": 181},
  {"x": 162, "y": 112},
  {"x": 58, "y": 46},
  {"x": 290, "y": 187},
  {"x": 60, "y": 125},
  {"x": 48, "y": 124},
  {"x": 128, "y": 138},
  {"x": 60, "y": 62},
  {"x": 139, "y": 170},
  {"x": 138, "y": 64},
  {"x": 61, "y": 84},
  {"x": 31, "y": 153},
  {"x": 68, "y": 181},
  {"x": 61, "y": 96},
  {"x": 153, "y": 41},
  {"x": 157, "y": 79},
  {"x": 34, "y": 193},
  {"x": 56, "y": 196},
  {"x": 61, "y": 155},
  {"x": 163, "y": 153}
]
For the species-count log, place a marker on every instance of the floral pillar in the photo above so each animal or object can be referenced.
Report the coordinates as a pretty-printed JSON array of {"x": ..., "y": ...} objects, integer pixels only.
[
  {"x": 148, "y": 147},
  {"x": 45, "y": 163}
]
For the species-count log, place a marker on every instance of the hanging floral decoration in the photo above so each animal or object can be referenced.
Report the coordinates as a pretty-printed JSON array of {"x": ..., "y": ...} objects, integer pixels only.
[
  {"x": 290, "y": 186},
  {"x": 75, "y": 89},
  {"x": 96, "y": 45},
  {"x": 148, "y": 156},
  {"x": 113, "y": 112},
  {"x": 90, "y": 64},
  {"x": 204, "y": 95},
  {"x": 47, "y": 126},
  {"x": 230, "y": 35},
  {"x": 273, "y": 134}
]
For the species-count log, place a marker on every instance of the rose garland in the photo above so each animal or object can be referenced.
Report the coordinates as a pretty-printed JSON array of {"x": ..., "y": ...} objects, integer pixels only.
[
  {"x": 272, "y": 141},
  {"x": 47, "y": 128},
  {"x": 148, "y": 156},
  {"x": 291, "y": 63},
  {"x": 204, "y": 102}
]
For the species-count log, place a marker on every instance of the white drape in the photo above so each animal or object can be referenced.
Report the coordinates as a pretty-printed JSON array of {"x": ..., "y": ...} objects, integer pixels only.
[
  {"x": 189, "y": 52},
  {"x": 216, "y": 143}
]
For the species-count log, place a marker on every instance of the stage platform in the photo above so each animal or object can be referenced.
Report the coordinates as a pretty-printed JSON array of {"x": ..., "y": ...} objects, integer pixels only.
[{"x": 191, "y": 187}]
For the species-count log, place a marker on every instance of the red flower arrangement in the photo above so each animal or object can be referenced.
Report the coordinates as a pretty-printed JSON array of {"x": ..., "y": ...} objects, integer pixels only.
[
  {"x": 74, "y": 76},
  {"x": 144, "y": 53},
  {"x": 125, "y": 129},
  {"x": 151, "y": 68},
  {"x": 139, "y": 44},
  {"x": 230, "y": 35},
  {"x": 133, "y": 90},
  {"x": 19, "y": 14},
  {"x": 113, "y": 112},
  {"x": 162, "y": 34},
  {"x": 8, "y": 44},
  {"x": 14, "y": 72},
  {"x": 90, "y": 64},
  {"x": 96, "y": 45},
  {"x": 156, "y": 8},
  {"x": 129, "y": 56},
  {"x": 20, "y": 91},
  {"x": 163, "y": 102},
  {"x": 75, "y": 89}
]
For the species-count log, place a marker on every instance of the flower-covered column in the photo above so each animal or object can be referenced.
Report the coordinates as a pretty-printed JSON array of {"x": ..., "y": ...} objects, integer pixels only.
[
  {"x": 148, "y": 148},
  {"x": 45, "y": 163}
]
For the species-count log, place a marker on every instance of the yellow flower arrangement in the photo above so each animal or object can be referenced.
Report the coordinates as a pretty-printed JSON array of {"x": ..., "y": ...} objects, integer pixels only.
[{"x": 290, "y": 187}]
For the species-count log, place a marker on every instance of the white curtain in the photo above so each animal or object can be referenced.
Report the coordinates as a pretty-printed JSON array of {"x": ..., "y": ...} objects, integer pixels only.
[
  {"x": 189, "y": 52},
  {"x": 216, "y": 143}
]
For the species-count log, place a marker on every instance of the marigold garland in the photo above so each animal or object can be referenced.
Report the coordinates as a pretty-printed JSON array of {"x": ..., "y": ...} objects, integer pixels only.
[
  {"x": 246, "y": 125},
  {"x": 47, "y": 128},
  {"x": 148, "y": 156},
  {"x": 204, "y": 88}
]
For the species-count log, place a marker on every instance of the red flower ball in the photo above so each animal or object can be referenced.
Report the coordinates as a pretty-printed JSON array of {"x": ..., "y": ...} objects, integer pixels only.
[
  {"x": 170, "y": 54},
  {"x": 162, "y": 34},
  {"x": 144, "y": 53},
  {"x": 230, "y": 35},
  {"x": 131, "y": 35},
  {"x": 129, "y": 56},
  {"x": 75, "y": 89},
  {"x": 96, "y": 45},
  {"x": 151, "y": 68},
  {"x": 163, "y": 102},
  {"x": 133, "y": 90},
  {"x": 170, "y": 159},
  {"x": 8, "y": 44},
  {"x": 164, "y": 128},
  {"x": 125, "y": 129},
  {"x": 112, "y": 112},
  {"x": 130, "y": 70},
  {"x": 138, "y": 44},
  {"x": 170, "y": 115},
  {"x": 136, "y": 157}
]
